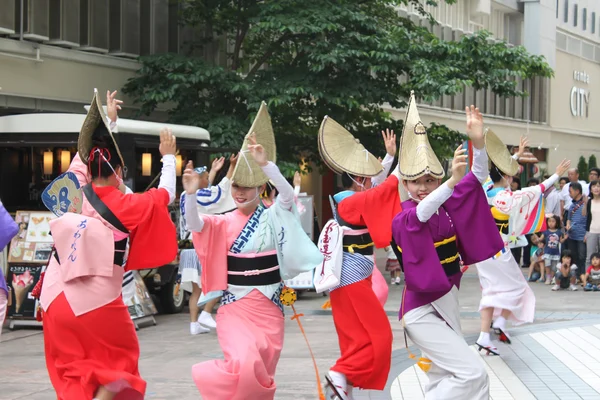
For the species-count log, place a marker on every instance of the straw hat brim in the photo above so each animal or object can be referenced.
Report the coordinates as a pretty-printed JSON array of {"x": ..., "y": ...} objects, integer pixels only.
[
  {"x": 328, "y": 163},
  {"x": 343, "y": 153},
  {"x": 499, "y": 154},
  {"x": 247, "y": 172},
  {"x": 94, "y": 117}
]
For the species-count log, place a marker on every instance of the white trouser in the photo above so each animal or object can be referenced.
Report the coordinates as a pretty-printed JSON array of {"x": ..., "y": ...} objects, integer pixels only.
[
  {"x": 3, "y": 307},
  {"x": 457, "y": 372}
]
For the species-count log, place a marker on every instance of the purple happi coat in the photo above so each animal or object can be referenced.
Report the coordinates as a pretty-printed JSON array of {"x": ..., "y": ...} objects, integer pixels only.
[{"x": 465, "y": 214}]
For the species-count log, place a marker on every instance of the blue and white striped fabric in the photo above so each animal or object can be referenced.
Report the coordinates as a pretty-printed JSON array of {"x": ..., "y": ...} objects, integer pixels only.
[{"x": 355, "y": 268}]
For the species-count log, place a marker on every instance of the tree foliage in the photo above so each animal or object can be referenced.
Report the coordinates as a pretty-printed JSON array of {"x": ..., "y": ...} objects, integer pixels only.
[
  {"x": 582, "y": 168},
  {"x": 592, "y": 163},
  {"x": 313, "y": 58}
]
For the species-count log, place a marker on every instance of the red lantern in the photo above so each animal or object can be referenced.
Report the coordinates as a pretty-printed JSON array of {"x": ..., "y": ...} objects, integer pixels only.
[{"x": 535, "y": 169}]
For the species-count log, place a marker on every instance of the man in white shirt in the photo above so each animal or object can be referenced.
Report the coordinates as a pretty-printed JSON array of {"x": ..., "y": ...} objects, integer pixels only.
[
  {"x": 565, "y": 198},
  {"x": 553, "y": 198}
]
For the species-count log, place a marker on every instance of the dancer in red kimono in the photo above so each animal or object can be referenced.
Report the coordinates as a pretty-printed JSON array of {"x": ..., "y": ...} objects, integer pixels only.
[
  {"x": 91, "y": 346},
  {"x": 363, "y": 328}
]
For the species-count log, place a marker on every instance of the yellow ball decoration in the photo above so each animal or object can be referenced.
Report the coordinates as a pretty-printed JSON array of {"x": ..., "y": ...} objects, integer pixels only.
[{"x": 288, "y": 296}]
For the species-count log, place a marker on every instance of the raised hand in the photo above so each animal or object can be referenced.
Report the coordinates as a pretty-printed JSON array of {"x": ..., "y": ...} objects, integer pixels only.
[
  {"x": 233, "y": 159},
  {"x": 218, "y": 163},
  {"x": 459, "y": 166},
  {"x": 524, "y": 142},
  {"x": 168, "y": 143},
  {"x": 389, "y": 139},
  {"x": 297, "y": 179},
  {"x": 475, "y": 126},
  {"x": 257, "y": 151},
  {"x": 190, "y": 179},
  {"x": 563, "y": 167},
  {"x": 113, "y": 105}
]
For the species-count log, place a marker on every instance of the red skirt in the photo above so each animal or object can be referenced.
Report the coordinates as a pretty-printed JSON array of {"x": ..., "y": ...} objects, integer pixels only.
[
  {"x": 365, "y": 335},
  {"x": 98, "y": 348}
]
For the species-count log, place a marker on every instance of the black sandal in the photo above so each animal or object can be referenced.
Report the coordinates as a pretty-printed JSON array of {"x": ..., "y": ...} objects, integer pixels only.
[
  {"x": 488, "y": 350},
  {"x": 336, "y": 394}
]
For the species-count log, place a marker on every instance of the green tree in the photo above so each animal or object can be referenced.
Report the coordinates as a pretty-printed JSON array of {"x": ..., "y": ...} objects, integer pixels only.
[
  {"x": 592, "y": 163},
  {"x": 582, "y": 168},
  {"x": 313, "y": 58}
]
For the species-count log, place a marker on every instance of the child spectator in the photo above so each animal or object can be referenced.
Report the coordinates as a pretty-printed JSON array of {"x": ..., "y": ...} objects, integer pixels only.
[
  {"x": 536, "y": 265},
  {"x": 566, "y": 276},
  {"x": 552, "y": 239},
  {"x": 592, "y": 275}
]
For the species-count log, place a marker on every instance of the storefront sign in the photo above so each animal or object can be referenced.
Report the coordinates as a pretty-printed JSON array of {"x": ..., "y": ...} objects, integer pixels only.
[{"x": 580, "y": 97}]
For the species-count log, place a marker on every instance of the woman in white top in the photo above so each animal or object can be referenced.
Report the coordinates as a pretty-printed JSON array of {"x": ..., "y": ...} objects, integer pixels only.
[{"x": 592, "y": 236}]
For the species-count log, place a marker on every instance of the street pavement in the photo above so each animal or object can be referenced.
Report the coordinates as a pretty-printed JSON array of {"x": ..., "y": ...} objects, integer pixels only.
[{"x": 534, "y": 366}]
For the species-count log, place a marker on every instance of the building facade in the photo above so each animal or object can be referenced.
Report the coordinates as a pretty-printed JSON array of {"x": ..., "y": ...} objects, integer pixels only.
[
  {"x": 53, "y": 53},
  {"x": 558, "y": 115}
]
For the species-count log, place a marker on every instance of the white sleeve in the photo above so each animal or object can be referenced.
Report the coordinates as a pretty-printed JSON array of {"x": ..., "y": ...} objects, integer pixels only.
[
  {"x": 296, "y": 191},
  {"x": 515, "y": 156},
  {"x": 387, "y": 165},
  {"x": 168, "y": 179},
  {"x": 549, "y": 182},
  {"x": 434, "y": 200},
  {"x": 210, "y": 198},
  {"x": 285, "y": 190},
  {"x": 480, "y": 164},
  {"x": 192, "y": 218}
]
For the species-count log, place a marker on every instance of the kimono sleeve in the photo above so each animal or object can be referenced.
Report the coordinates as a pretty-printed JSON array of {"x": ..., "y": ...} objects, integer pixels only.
[
  {"x": 153, "y": 239},
  {"x": 476, "y": 231},
  {"x": 375, "y": 208},
  {"x": 211, "y": 248}
]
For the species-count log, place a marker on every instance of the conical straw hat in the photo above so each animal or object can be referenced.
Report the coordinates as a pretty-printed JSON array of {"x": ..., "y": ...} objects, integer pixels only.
[
  {"x": 499, "y": 154},
  {"x": 344, "y": 153},
  {"x": 94, "y": 117},
  {"x": 417, "y": 158},
  {"x": 321, "y": 152},
  {"x": 247, "y": 172}
]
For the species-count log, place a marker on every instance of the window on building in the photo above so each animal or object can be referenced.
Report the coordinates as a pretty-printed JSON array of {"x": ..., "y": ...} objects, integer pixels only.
[
  {"x": 593, "y": 22},
  {"x": 557, "y": 9},
  {"x": 584, "y": 19},
  {"x": 566, "y": 11},
  {"x": 575, "y": 12}
]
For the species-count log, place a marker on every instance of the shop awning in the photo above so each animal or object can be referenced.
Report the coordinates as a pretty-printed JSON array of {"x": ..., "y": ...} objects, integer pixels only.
[{"x": 71, "y": 123}]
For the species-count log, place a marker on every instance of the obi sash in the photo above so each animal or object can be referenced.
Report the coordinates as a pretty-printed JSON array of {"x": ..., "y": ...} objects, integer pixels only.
[
  {"x": 447, "y": 251},
  {"x": 501, "y": 219},
  {"x": 253, "y": 271},
  {"x": 361, "y": 244}
]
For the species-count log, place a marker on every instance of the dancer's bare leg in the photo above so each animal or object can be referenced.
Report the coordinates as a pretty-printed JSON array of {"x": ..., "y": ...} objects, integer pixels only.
[
  {"x": 104, "y": 394},
  {"x": 193, "y": 303},
  {"x": 206, "y": 318},
  {"x": 485, "y": 342},
  {"x": 211, "y": 305}
]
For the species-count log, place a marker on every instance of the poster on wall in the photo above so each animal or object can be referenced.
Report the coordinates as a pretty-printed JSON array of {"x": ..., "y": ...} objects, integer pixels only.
[
  {"x": 33, "y": 242},
  {"x": 136, "y": 296},
  {"x": 22, "y": 278}
]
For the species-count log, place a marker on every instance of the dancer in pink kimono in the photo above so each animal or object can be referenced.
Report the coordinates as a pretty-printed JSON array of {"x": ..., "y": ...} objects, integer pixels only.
[{"x": 247, "y": 253}]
